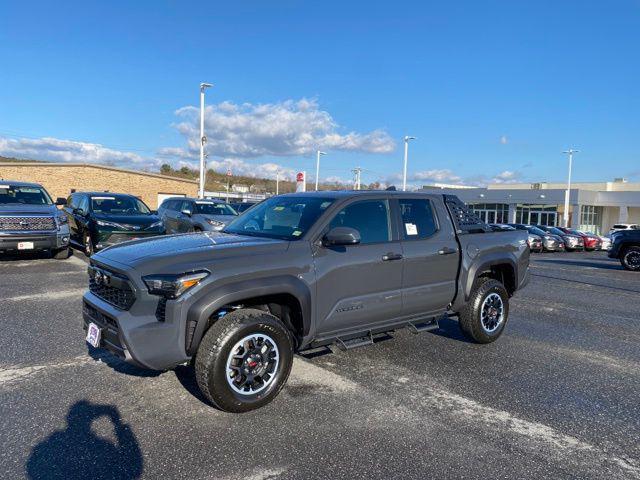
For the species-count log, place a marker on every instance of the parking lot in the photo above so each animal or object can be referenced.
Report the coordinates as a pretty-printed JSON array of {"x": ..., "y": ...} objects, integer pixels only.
[{"x": 555, "y": 397}]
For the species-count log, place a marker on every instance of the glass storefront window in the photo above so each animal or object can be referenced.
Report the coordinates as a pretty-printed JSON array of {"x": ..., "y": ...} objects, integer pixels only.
[
  {"x": 491, "y": 212},
  {"x": 591, "y": 219},
  {"x": 537, "y": 215}
]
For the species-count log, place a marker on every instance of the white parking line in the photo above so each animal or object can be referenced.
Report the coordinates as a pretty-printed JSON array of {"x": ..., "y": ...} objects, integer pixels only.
[{"x": 78, "y": 292}]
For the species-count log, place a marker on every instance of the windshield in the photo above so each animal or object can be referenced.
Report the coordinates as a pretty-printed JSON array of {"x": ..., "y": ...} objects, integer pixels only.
[
  {"x": 118, "y": 205},
  {"x": 536, "y": 231},
  {"x": 288, "y": 218},
  {"x": 209, "y": 208},
  {"x": 24, "y": 195},
  {"x": 555, "y": 231}
]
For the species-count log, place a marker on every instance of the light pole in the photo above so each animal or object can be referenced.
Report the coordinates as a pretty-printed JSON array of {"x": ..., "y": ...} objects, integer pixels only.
[
  {"x": 203, "y": 139},
  {"x": 318, "y": 167},
  {"x": 406, "y": 159},
  {"x": 569, "y": 152},
  {"x": 356, "y": 178},
  {"x": 278, "y": 182}
]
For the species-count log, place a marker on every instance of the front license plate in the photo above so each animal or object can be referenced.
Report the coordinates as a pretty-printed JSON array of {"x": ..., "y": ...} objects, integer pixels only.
[
  {"x": 93, "y": 335},
  {"x": 25, "y": 246}
]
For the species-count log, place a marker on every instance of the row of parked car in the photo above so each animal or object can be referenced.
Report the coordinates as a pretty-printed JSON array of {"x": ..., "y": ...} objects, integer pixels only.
[
  {"x": 545, "y": 238},
  {"x": 31, "y": 221},
  {"x": 92, "y": 221}
]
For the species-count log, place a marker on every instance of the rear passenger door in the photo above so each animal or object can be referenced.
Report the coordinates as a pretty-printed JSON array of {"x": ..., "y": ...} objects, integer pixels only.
[
  {"x": 359, "y": 286},
  {"x": 169, "y": 215},
  {"x": 431, "y": 256},
  {"x": 183, "y": 221}
]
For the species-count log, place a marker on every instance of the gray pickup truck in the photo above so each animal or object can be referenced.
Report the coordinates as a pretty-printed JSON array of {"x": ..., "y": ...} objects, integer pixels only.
[
  {"x": 298, "y": 272},
  {"x": 30, "y": 221}
]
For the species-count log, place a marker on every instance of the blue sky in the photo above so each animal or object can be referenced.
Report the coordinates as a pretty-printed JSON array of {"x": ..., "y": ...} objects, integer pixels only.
[{"x": 487, "y": 87}]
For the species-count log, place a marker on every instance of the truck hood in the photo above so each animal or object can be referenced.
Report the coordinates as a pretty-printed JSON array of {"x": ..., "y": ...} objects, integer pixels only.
[
  {"x": 22, "y": 209},
  {"x": 188, "y": 247}
]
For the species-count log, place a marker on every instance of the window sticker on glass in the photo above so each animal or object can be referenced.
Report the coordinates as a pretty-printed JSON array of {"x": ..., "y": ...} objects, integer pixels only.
[
  {"x": 411, "y": 228},
  {"x": 278, "y": 209},
  {"x": 324, "y": 205},
  {"x": 296, "y": 233}
]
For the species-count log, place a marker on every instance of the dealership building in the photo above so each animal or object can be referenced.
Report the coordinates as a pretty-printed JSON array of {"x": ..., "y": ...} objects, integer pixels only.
[
  {"x": 593, "y": 207},
  {"x": 60, "y": 179}
]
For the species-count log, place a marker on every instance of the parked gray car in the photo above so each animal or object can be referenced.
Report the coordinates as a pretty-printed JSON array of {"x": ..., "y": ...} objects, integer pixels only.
[
  {"x": 30, "y": 220},
  {"x": 295, "y": 272},
  {"x": 182, "y": 215}
]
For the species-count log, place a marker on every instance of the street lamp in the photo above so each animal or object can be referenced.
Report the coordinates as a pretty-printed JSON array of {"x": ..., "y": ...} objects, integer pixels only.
[
  {"x": 203, "y": 139},
  {"x": 318, "y": 167},
  {"x": 569, "y": 152},
  {"x": 406, "y": 158}
]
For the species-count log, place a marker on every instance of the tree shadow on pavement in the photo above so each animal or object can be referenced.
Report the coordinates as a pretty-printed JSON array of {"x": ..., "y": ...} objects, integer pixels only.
[{"x": 79, "y": 453}]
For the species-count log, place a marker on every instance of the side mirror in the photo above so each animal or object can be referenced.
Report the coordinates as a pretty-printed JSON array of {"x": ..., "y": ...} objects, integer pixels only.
[
  {"x": 61, "y": 201},
  {"x": 341, "y": 236},
  {"x": 187, "y": 212}
]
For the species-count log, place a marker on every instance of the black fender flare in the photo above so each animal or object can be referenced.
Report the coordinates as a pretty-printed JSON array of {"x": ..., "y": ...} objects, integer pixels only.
[
  {"x": 200, "y": 312},
  {"x": 479, "y": 265}
]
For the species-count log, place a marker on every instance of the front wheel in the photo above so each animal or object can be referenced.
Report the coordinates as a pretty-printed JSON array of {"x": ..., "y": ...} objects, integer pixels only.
[
  {"x": 244, "y": 360},
  {"x": 630, "y": 259},
  {"x": 484, "y": 317}
]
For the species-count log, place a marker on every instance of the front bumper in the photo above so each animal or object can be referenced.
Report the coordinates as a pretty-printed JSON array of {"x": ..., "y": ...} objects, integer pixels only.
[
  {"x": 136, "y": 335},
  {"x": 41, "y": 240}
]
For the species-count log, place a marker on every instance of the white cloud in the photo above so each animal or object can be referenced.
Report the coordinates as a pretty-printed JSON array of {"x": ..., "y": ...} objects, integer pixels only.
[
  {"x": 506, "y": 176},
  {"x": 443, "y": 175},
  {"x": 281, "y": 129},
  {"x": 57, "y": 150},
  {"x": 504, "y": 140}
]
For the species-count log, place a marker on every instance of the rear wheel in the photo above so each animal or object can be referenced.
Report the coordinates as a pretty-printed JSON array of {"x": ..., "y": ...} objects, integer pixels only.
[
  {"x": 484, "y": 317},
  {"x": 630, "y": 259},
  {"x": 244, "y": 360}
]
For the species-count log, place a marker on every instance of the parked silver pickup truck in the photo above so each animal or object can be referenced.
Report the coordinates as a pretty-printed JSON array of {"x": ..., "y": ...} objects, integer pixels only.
[{"x": 295, "y": 272}]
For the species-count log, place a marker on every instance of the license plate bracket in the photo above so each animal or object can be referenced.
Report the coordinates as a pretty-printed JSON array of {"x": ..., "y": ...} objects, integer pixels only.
[{"x": 94, "y": 334}]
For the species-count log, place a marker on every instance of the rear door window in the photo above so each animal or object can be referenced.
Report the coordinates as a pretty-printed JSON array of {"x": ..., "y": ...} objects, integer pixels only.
[
  {"x": 369, "y": 217},
  {"x": 418, "y": 220}
]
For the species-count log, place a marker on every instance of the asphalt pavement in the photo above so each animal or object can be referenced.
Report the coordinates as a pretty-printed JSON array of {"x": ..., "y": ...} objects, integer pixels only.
[{"x": 555, "y": 397}]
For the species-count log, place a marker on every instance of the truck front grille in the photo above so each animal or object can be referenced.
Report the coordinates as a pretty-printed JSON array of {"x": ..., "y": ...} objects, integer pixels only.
[
  {"x": 111, "y": 287},
  {"x": 27, "y": 223}
]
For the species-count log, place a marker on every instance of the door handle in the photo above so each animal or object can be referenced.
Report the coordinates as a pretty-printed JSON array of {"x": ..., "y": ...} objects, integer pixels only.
[
  {"x": 391, "y": 256},
  {"x": 446, "y": 251}
]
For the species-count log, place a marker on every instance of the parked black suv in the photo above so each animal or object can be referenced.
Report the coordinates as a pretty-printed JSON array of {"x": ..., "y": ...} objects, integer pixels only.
[
  {"x": 30, "y": 220},
  {"x": 99, "y": 220}
]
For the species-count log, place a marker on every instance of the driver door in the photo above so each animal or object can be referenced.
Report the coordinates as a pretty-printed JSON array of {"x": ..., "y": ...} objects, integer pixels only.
[{"x": 359, "y": 286}]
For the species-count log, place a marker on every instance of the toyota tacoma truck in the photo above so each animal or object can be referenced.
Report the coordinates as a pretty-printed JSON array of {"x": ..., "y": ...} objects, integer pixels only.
[{"x": 298, "y": 272}]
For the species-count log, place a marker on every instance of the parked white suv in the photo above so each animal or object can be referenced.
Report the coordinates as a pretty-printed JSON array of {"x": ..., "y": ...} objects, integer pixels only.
[{"x": 624, "y": 226}]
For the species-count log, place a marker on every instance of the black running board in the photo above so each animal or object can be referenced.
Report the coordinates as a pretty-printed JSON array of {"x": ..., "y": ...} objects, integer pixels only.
[{"x": 424, "y": 326}]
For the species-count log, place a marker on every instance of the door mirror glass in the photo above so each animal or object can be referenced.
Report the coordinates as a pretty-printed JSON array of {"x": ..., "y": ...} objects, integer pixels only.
[
  {"x": 186, "y": 211},
  {"x": 341, "y": 236}
]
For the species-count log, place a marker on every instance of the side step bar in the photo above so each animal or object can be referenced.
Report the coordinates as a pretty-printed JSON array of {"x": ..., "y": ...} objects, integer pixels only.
[
  {"x": 415, "y": 327},
  {"x": 426, "y": 326}
]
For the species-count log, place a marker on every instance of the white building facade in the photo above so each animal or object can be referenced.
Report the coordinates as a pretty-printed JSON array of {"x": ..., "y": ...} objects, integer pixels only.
[{"x": 593, "y": 207}]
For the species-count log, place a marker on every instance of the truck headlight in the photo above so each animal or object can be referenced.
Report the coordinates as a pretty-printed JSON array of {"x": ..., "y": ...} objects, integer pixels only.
[
  {"x": 215, "y": 223},
  {"x": 172, "y": 286}
]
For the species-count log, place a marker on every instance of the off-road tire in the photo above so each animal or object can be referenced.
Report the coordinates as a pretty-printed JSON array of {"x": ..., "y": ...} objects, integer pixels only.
[
  {"x": 214, "y": 350},
  {"x": 61, "y": 254},
  {"x": 469, "y": 319},
  {"x": 625, "y": 259}
]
